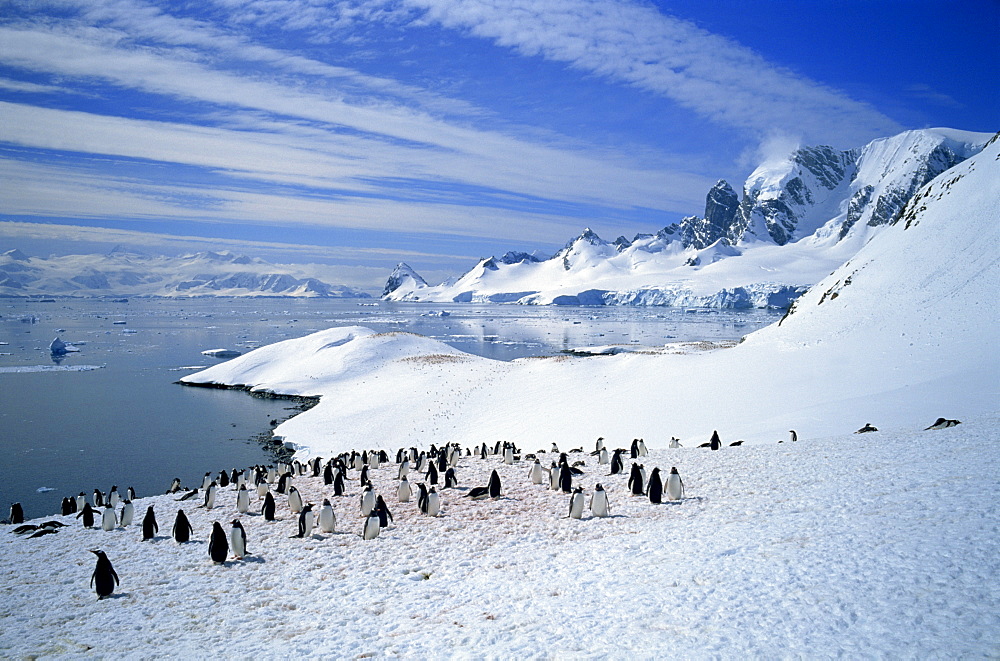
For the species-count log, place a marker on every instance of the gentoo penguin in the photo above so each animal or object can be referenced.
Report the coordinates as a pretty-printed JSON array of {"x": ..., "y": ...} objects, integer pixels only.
[
  {"x": 382, "y": 511},
  {"x": 675, "y": 487},
  {"x": 243, "y": 500},
  {"x": 867, "y": 428},
  {"x": 88, "y": 515},
  {"x": 494, "y": 485},
  {"x": 555, "y": 449},
  {"x": 328, "y": 474},
  {"x": 655, "y": 487},
  {"x": 433, "y": 505},
  {"x": 635, "y": 481},
  {"x": 617, "y": 463},
  {"x": 634, "y": 448},
  {"x": 16, "y": 513},
  {"x": 598, "y": 445},
  {"x": 306, "y": 521},
  {"x": 565, "y": 478},
  {"x": 262, "y": 488},
  {"x": 338, "y": 484},
  {"x": 715, "y": 443},
  {"x": 367, "y": 500},
  {"x": 327, "y": 519},
  {"x": 383, "y": 457},
  {"x": 80, "y": 500},
  {"x": 189, "y": 495},
  {"x": 182, "y": 528},
  {"x": 554, "y": 477},
  {"x": 68, "y": 506},
  {"x": 576, "y": 504},
  {"x": 537, "y": 473},
  {"x": 205, "y": 481},
  {"x": 404, "y": 469},
  {"x": 149, "y": 527},
  {"x": 794, "y": 436},
  {"x": 641, "y": 446},
  {"x": 267, "y": 509},
  {"x": 422, "y": 497},
  {"x": 399, "y": 455},
  {"x": 98, "y": 498},
  {"x": 363, "y": 479},
  {"x": 218, "y": 545},
  {"x": 508, "y": 455},
  {"x": 674, "y": 443},
  {"x": 599, "y": 505},
  {"x": 404, "y": 491},
  {"x": 943, "y": 423},
  {"x": 223, "y": 480},
  {"x": 371, "y": 528},
  {"x": 284, "y": 481},
  {"x": 130, "y": 494},
  {"x": 128, "y": 513},
  {"x": 210, "y": 492},
  {"x": 294, "y": 500},
  {"x": 432, "y": 474},
  {"x": 175, "y": 486},
  {"x": 482, "y": 451},
  {"x": 113, "y": 496},
  {"x": 108, "y": 519},
  {"x": 238, "y": 539},
  {"x": 602, "y": 457},
  {"x": 105, "y": 578},
  {"x": 497, "y": 448},
  {"x": 450, "y": 478}
]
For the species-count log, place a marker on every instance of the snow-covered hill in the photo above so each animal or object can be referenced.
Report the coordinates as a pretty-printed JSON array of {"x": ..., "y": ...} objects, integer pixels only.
[
  {"x": 120, "y": 273},
  {"x": 800, "y": 217}
]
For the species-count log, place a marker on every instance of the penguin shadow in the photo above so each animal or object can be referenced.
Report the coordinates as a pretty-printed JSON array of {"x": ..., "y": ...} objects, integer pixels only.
[
  {"x": 255, "y": 559},
  {"x": 117, "y": 595}
]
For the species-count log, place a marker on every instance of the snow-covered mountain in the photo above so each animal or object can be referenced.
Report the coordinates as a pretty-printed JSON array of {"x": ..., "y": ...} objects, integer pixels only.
[
  {"x": 121, "y": 273},
  {"x": 799, "y": 218}
]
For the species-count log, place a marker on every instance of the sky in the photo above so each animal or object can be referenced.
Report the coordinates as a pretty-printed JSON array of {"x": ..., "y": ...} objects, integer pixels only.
[{"x": 362, "y": 133}]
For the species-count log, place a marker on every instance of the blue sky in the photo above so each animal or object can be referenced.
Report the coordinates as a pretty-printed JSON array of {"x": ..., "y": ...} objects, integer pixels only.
[{"x": 367, "y": 132}]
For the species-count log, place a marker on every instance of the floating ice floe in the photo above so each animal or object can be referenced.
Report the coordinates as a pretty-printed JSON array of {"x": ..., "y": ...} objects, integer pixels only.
[
  {"x": 29, "y": 369},
  {"x": 58, "y": 348},
  {"x": 222, "y": 353}
]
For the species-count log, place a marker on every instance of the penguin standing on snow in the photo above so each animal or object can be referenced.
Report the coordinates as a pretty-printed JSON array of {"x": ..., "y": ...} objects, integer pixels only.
[
  {"x": 565, "y": 478},
  {"x": 294, "y": 500},
  {"x": 338, "y": 484},
  {"x": 105, "y": 578},
  {"x": 68, "y": 506},
  {"x": 128, "y": 513},
  {"x": 617, "y": 464},
  {"x": 113, "y": 496},
  {"x": 494, "y": 485},
  {"x": 210, "y": 492},
  {"x": 306, "y": 521},
  {"x": 422, "y": 497},
  {"x": 404, "y": 491},
  {"x": 367, "y": 501},
  {"x": 634, "y": 448},
  {"x": 149, "y": 527},
  {"x": 404, "y": 469},
  {"x": 88, "y": 515},
  {"x": 16, "y": 514},
  {"x": 182, "y": 528},
  {"x": 715, "y": 443},
  {"x": 599, "y": 505},
  {"x": 262, "y": 488},
  {"x": 218, "y": 545},
  {"x": 576, "y": 504},
  {"x": 536, "y": 473},
  {"x": 450, "y": 478},
  {"x": 433, "y": 503},
  {"x": 328, "y": 474},
  {"x": 371, "y": 528},
  {"x": 675, "y": 487},
  {"x": 602, "y": 457},
  {"x": 794, "y": 436},
  {"x": 243, "y": 500},
  {"x": 655, "y": 487},
  {"x": 267, "y": 509},
  {"x": 327, "y": 518},
  {"x": 238, "y": 540},
  {"x": 175, "y": 486},
  {"x": 635, "y": 481},
  {"x": 382, "y": 511},
  {"x": 432, "y": 474},
  {"x": 674, "y": 443}
]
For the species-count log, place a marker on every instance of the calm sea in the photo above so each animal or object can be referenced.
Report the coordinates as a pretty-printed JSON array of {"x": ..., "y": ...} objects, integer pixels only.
[{"x": 67, "y": 428}]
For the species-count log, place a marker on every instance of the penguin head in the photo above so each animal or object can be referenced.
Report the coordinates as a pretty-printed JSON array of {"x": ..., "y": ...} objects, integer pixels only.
[
  {"x": 98, "y": 552},
  {"x": 599, "y": 487}
]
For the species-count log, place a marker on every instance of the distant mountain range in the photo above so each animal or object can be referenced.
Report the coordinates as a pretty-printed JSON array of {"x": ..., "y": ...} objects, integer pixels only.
[
  {"x": 798, "y": 219},
  {"x": 121, "y": 273}
]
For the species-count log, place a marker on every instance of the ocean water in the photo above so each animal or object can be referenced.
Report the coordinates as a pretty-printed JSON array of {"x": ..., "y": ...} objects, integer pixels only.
[{"x": 113, "y": 414}]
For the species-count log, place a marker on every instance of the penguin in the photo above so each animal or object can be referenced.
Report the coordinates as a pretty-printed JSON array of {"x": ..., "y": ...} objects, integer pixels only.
[
  {"x": 182, "y": 528},
  {"x": 128, "y": 513},
  {"x": 218, "y": 545},
  {"x": 262, "y": 489},
  {"x": 598, "y": 445},
  {"x": 338, "y": 484},
  {"x": 602, "y": 458},
  {"x": 497, "y": 448},
  {"x": 267, "y": 509},
  {"x": 554, "y": 477},
  {"x": 735, "y": 444},
  {"x": 675, "y": 487},
  {"x": 236, "y": 478},
  {"x": 565, "y": 478},
  {"x": 105, "y": 578},
  {"x": 294, "y": 500},
  {"x": 943, "y": 423},
  {"x": 576, "y": 504},
  {"x": 328, "y": 474},
  {"x": 794, "y": 436},
  {"x": 635, "y": 481},
  {"x": 494, "y": 485},
  {"x": 641, "y": 446},
  {"x": 634, "y": 448},
  {"x": 383, "y": 457},
  {"x": 25, "y": 529},
  {"x": 243, "y": 500},
  {"x": 149, "y": 527},
  {"x": 617, "y": 464},
  {"x": 482, "y": 451},
  {"x": 367, "y": 501},
  {"x": 674, "y": 443},
  {"x": 655, "y": 488},
  {"x": 223, "y": 479},
  {"x": 88, "y": 514},
  {"x": 867, "y": 428},
  {"x": 80, "y": 500},
  {"x": 432, "y": 474},
  {"x": 433, "y": 503},
  {"x": 382, "y": 511},
  {"x": 16, "y": 513},
  {"x": 508, "y": 455},
  {"x": 189, "y": 495},
  {"x": 205, "y": 481},
  {"x": 210, "y": 492},
  {"x": 98, "y": 498},
  {"x": 130, "y": 494},
  {"x": 364, "y": 479},
  {"x": 175, "y": 486},
  {"x": 374, "y": 461},
  {"x": 404, "y": 492},
  {"x": 404, "y": 469},
  {"x": 306, "y": 521},
  {"x": 442, "y": 461},
  {"x": 599, "y": 505},
  {"x": 238, "y": 540},
  {"x": 422, "y": 497},
  {"x": 371, "y": 528},
  {"x": 113, "y": 497},
  {"x": 715, "y": 443},
  {"x": 327, "y": 519},
  {"x": 68, "y": 506},
  {"x": 284, "y": 481},
  {"x": 450, "y": 478},
  {"x": 537, "y": 473}
]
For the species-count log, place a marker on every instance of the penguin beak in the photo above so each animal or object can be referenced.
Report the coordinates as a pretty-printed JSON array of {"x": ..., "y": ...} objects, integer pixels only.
[{"x": 95, "y": 552}]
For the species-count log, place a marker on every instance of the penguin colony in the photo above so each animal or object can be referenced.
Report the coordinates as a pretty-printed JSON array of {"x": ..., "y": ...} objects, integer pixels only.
[{"x": 267, "y": 495}]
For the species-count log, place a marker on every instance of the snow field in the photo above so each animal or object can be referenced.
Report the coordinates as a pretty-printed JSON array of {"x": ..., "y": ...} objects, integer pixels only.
[{"x": 883, "y": 544}]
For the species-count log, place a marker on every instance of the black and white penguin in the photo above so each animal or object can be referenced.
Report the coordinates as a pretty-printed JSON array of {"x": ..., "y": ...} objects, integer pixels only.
[
  {"x": 238, "y": 540},
  {"x": 284, "y": 481},
  {"x": 867, "y": 428},
  {"x": 105, "y": 578},
  {"x": 403, "y": 492},
  {"x": 450, "y": 478},
  {"x": 243, "y": 500},
  {"x": 113, "y": 496},
  {"x": 130, "y": 494},
  {"x": 306, "y": 521},
  {"x": 267, "y": 509},
  {"x": 617, "y": 463},
  {"x": 599, "y": 505},
  {"x": 794, "y": 436},
  {"x": 641, "y": 446},
  {"x": 383, "y": 457},
  {"x": 294, "y": 500},
  {"x": 382, "y": 511},
  {"x": 715, "y": 443},
  {"x": 128, "y": 513},
  {"x": 218, "y": 545},
  {"x": 432, "y": 474},
  {"x": 81, "y": 499},
  {"x": 149, "y": 526},
  {"x": 674, "y": 443},
  {"x": 68, "y": 506},
  {"x": 602, "y": 456},
  {"x": 16, "y": 514},
  {"x": 675, "y": 487},
  {"x": 494, "y": 485},
  {"x": 598, "y": 446},
  {"x": 498, "y": 447},
  {"x": 327, "y": 518},
  {"x": 943, "y": 423},
  {"x": 88, "y": 514},
  {"x": 483, "y": 453},
  {"x": 182, "y": 528},
  {"x": 399, "y": 455},
  {"x": 223, "y": 480},
  {"x": 634, "y": 448},
  {"x": 565, "y": 478},
  {"x": 635, "y": 481},
  {"x": 537, "y": 473},
  {"x": 371, "y": 528},
  {"x": 404, "y": 469},
  {"x": 189, "y": 495},
  {"x": 576, "y": 504},
  {"x": 422, "y": 497},
  {"x": 655, "y": 487},
  {"x": 262, "y": 487},
  {"x": 328, "y": 474},
  {"x": 367, "y": 500},
  {"x": 98, "y": 498},
  {"x": 433, "y": 505},
  {"x": 508, "y": 454},
  {"x": 205, "y": 481},
  {"x": 210, "y": 492},
  {"x": 363, "y": 478},
  {"x": 338, "y": 484},
  {"x": 175, "y": 486}
]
